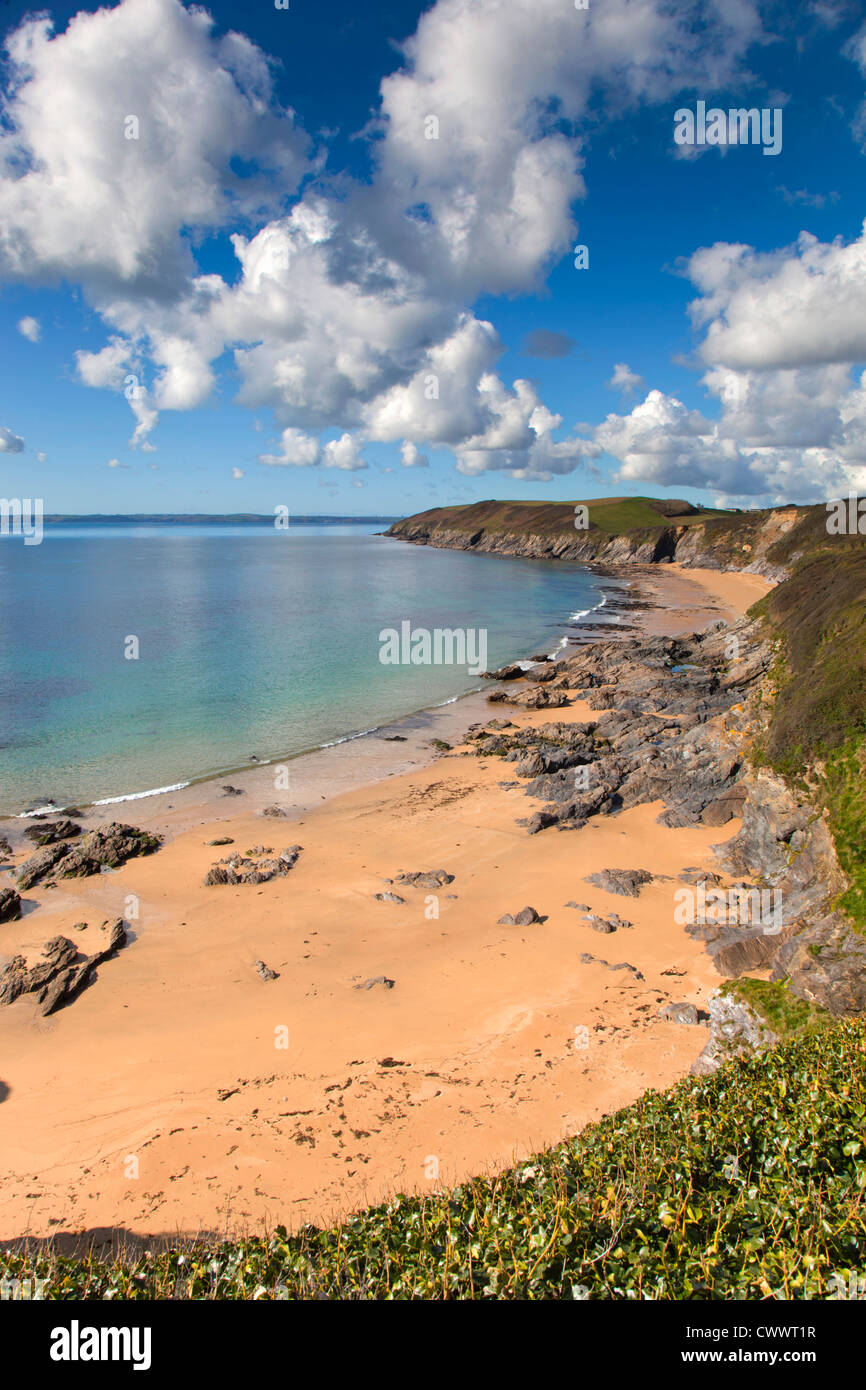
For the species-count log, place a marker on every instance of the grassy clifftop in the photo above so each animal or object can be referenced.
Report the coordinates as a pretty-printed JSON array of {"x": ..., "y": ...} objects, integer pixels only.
[{"x": 617, "y": 530}]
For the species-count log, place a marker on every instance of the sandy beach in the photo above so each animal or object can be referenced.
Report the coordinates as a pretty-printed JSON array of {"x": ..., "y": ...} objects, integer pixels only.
[{"x": 183, "y": 1093}]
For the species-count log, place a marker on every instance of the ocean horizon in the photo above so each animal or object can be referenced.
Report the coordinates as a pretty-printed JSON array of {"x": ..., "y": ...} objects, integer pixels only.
[{"x": 138, "y": 656}]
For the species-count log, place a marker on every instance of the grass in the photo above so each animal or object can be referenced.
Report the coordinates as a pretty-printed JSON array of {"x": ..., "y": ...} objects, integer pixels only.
[
  {"x": 750, "y": 1184},
  {"x": 783, "y": 1012},
  {"x": 610, "y": 516}
]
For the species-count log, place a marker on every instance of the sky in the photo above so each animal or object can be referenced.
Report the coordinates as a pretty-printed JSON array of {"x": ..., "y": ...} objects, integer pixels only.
[{"x": 325, "y": 256}]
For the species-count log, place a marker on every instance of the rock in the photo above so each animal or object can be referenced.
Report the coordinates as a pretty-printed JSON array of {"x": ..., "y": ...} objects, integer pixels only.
[
  {"x": 699, "y": 876},
  {"x": 388, "y": 898},
  {"x": 599, "y": 924},
  {"x": 581, "y": 907},
  {"x": 524, "y": 918},
  {"x": 276, "y": 811},
  {"x": 12, "y": 980},
  {"x": 61, "y": 975},
  {"x": 625, "y": 882},
  {"x": 49, "y": 832},
  {"x": 218, "y": 875},
  {"x": 10, "y": 905},
  {"x": 5, "y": 848},
  {"x": 433, "y": 878},
  {"x": 624, "y": 965},
  {"x": 735, "y": 1031},
  {"x": 109, "y": 847},
  {"x": 251, "y": 868},
  {"x": 79, "y": 926},
  {"x": 505, "y": 673},
  {"x": 394, "y": 738},
  {"x": 223, "y": 840},
  {"x": 376, "y": 980},
  {"x": 34, "y": 869},
  {"x": 679, "y": 1013},
  {"x": 229, "y": 790},
  {"x": 265, "y": 971}
]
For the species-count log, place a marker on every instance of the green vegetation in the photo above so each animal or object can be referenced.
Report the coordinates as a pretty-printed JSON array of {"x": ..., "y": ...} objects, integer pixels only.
[
  {"x": 783, "y": 1012},
  {"x": 749, "y": 1184},
  {"x": 817, "y": 729},
  {"x": 611, "y": 516}
]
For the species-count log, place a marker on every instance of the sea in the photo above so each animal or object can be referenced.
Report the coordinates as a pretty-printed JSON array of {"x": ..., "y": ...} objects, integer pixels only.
[{"x": 137, "y": 657}]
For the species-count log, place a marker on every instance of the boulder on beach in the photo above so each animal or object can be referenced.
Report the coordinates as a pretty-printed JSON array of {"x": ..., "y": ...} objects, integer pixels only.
[
  {"x": 524, "y": 918},
  {"x": 49, "y": 832},
  {"x": 627, "y": 883},
  {"x": 433, "y": 878}
]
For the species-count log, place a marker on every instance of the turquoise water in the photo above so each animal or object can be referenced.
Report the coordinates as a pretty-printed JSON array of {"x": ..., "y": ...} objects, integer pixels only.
[{"x": 251, "y": 641}]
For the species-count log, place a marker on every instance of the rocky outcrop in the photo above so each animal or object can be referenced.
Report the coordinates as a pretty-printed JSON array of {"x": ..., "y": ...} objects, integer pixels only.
[
  {"x": 109, "y": 847},
  {"x": 735, "y": 1031},
  {"x": 62, "y": 973},
  {"x": 256, "y": 866},
  {"x": 677, "y": 717}
]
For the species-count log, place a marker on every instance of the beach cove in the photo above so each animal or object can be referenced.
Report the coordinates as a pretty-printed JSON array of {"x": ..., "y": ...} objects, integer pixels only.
[{"x": 174, "y": 1056}]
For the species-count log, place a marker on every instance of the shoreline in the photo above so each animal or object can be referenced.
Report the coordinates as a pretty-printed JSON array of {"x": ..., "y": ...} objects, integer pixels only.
[
  {"x": 467, "y": 1058},
  {"x": 328, "y": 769}
]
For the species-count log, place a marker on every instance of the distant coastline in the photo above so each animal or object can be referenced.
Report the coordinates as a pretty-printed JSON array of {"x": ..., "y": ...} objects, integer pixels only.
[{"x": 201, "y": 519}]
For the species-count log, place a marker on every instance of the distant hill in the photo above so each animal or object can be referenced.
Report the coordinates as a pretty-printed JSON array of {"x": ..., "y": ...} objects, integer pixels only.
[
  {"x": 615, "y": 530},
  {"x": 196, "y": 519}
]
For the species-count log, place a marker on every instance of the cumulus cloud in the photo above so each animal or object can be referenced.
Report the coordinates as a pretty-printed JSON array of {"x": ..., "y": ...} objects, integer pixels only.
[
  {"x": 412, "y": 457},
  {"x": 625, "y": 380},
  {"x": 783, "y": 333},
  {"x": 800, "y": 306},
  {"x": 237, "y": 472},
  {"x": 30, "y": 328},
  {"x": 10, "y": 443},
  {"x": 127, "y": 132}
]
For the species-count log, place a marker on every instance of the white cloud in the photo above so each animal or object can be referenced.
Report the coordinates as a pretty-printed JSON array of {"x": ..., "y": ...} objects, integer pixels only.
[
  {"x": 299, "y": 450},
  {"x": 10, "y": 443},
  {"x": 625, "y": 380},
  {"x": 30, "y": 328},
  {"x": 802, "y": 306},
  {"x": 40, "y": 458},
  {"x": 81, "y": 201},
  {"x": 237, "y": 472},
  {"x": 344, "y": 453},
  {"x": 346, "y": 310},
  {"x": 411, "y": 455}
]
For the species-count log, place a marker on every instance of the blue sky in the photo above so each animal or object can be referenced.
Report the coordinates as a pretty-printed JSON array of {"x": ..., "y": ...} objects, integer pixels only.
[{"x": 725, "y": 292}]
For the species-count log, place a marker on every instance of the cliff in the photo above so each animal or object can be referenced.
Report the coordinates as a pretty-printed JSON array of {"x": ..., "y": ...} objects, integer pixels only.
[{"x": 614, "y": 530}]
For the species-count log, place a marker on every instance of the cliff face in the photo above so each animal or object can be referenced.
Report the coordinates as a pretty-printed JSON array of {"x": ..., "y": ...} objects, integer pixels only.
[{"x": 547, "y": 531}]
